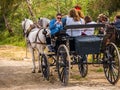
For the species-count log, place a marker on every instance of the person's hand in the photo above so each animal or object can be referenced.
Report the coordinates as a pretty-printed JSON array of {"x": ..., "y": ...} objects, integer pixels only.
[{"x": 58, "y": 22}]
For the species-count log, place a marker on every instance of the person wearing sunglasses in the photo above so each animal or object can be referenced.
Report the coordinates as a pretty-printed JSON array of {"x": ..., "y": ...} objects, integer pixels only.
[{"x": 56, "y": 24}]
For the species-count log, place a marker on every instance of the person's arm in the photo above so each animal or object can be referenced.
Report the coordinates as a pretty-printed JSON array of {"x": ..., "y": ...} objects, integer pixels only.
[
  {"x": 64, "y": 21},
  {"x": 52, "y": 24},
  {"x": 61, "y": 27}
]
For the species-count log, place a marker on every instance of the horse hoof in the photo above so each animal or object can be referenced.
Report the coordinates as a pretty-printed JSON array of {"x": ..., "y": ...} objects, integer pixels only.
[
  {"x": 39, "y": 71},
  {"x": 33, "y": 71}
]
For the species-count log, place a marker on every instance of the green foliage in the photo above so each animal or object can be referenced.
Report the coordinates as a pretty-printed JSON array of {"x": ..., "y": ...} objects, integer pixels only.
[
  {"x": 6, "y": 38},
  {"x": 95, "y": 7},
  {"x": 16, "y": 10}
]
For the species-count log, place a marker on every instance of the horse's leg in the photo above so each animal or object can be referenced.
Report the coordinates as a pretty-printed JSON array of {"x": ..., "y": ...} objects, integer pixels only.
[
  {"x": 40, "y": 51},
  {"x": 33, "y": 59},
  {"x": 39, "y": 63}
]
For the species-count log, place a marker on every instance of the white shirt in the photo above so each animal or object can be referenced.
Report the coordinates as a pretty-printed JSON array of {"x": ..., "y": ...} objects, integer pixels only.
[
  {"x": 74, "y": 32},
  {"x": 89, "y": 31}
]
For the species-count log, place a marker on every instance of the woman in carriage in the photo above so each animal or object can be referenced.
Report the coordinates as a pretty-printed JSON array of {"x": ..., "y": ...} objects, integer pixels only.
[
  {"x": 88, "y": 31},
  {"x": 74, "y": 19}
]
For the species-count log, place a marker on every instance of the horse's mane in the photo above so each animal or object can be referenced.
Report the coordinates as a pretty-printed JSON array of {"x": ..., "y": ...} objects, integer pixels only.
[{"x": 44, "y": 22}]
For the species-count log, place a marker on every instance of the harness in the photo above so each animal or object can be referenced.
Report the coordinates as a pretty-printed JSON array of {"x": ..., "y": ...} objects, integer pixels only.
[
  {"x": 24, "y": 27},
  {"x": 37, "y": 37},
  {"x": 28, "y": 30}
]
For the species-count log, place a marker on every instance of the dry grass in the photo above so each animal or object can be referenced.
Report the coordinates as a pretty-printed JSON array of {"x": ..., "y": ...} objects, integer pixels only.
[{"x": 12, "y": 52}]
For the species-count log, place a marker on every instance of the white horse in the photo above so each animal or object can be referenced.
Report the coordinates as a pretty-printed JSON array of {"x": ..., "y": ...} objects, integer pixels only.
[{"x": 36, "y": 38}]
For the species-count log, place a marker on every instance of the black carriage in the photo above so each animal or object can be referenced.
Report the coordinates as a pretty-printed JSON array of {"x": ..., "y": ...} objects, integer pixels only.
[{"x": 73, "y": 50}]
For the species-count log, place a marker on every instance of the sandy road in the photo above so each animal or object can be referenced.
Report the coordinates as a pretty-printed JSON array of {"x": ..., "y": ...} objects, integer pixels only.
[{"x": 16, "y": 75}]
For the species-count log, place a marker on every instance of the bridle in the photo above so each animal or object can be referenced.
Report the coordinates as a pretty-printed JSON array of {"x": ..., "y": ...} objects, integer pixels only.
[
  {"x": 37, "y": 35},
  {"x": 24, "y": 27},
  {"x": 25, "y": 32},
  {"x": 40, "y": 22}
]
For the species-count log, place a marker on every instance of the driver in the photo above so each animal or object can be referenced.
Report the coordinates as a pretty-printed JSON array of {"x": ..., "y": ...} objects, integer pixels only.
[{"x": 55, "y": 25}]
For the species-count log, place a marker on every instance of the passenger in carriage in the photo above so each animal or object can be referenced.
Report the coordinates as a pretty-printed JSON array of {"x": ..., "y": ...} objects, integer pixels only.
[
  {"x": 78, "y": 9},
  {"x": 56, "y": 24},
  {"x": 102, "y": 19},
  {"x": 117, "y": 22},
  {"x": 88, "y": 31},
  {"x": 74, "y": 19}
]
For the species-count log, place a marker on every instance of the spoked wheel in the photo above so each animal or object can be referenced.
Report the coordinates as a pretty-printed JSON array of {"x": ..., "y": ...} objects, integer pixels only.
[
  {"x": 111, "y": 63},
  {"x": 63, "y": 59},
  {"x": 52, "y": 60},
  {"x": 82, "y": 66},
  {"x": 45, "y": 66},
  {"x": 97, "y": 58}
]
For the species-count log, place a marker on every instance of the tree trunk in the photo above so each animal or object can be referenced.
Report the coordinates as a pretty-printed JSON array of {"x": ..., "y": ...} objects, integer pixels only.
[
  {"x": 7, "y": 25},
  {"x": 30, "y": 10}
]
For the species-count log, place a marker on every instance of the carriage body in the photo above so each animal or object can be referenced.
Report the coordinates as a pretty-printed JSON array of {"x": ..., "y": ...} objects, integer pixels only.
[
  {"x": 85, "y": 44},
  {"x": 93, "y": 44},
  {"x": 118, "y": 32},
  {"x": 88, "y": 44},
  {"x": 72, "y": 49},
  {"x": 76, "y": 49},
  {"x": 117, "y": 37}
]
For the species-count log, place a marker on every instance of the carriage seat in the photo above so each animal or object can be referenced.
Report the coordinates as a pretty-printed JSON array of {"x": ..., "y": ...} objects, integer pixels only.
[{"x": 88, "y": 44}]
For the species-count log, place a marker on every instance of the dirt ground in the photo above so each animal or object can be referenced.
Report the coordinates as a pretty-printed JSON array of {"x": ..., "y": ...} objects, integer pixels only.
[{"x": 15, "y": 74}]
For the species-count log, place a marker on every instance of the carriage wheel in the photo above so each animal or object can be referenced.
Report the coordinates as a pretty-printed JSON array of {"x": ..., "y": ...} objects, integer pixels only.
[
  {"x": 111, "y": 63},
  {"x": 52, "y": 60},
  {"x": 97, "y": 58},
  {"x": 63, "y": 64},
  {"x": 83, "y": 67},
  {"x": 45, "y": 66}
]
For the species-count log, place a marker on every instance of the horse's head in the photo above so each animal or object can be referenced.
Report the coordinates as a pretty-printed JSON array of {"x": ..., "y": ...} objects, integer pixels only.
[
  {"x": 44, "y": 22},
  {"x": 26, "y": 23}
]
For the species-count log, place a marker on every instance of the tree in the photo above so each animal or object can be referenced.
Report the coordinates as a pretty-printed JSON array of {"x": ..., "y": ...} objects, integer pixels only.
[
  {"x": 7, "y": 8},
  {"x": 29, "y": 3},
  {"x": 107, "y": 7}
]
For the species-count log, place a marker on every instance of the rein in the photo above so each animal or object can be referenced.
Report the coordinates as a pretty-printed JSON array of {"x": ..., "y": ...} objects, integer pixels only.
[
  {"x": 30, "y": 30},
  {"x": 24, "y": 27},
  {"x": 40, "y": 42}
]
